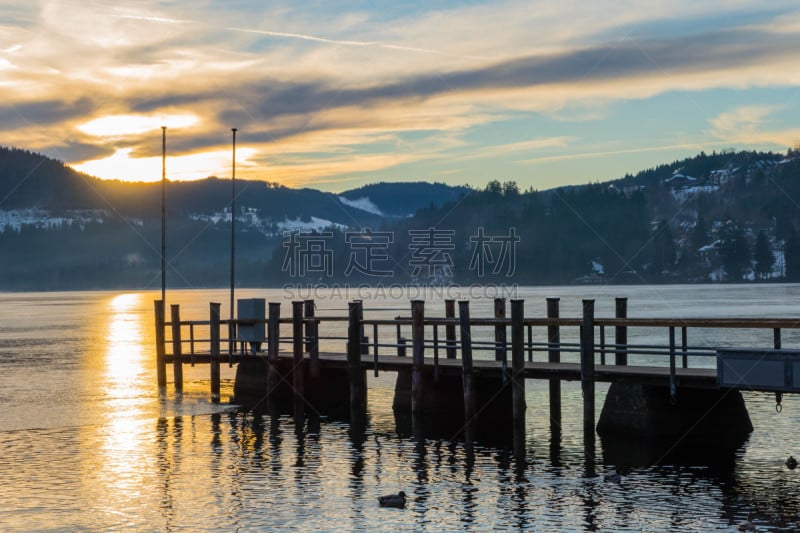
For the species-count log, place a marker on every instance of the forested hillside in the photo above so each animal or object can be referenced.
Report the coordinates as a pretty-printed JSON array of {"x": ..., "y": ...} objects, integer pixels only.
[{"x": 720, "y": 217}]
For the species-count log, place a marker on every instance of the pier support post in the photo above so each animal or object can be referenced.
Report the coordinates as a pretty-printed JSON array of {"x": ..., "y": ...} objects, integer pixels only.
[
  {"x": 587, "y": 371},
  {"x": 418, "y": 354},
  {"x": 621, "y": 332},
  {"x": 214, "y": 339},
  {"x": 273, "y": 346},
  {"x": 500, "y": 340},
  {"x": 518, "y": 364},
  {"x": 297, "y": 349},
  {"x": 312, "y": 339},
  {"x": 554, "y": 356},
  {"x": 466, "y": 362},
  {"x": 358, "y": 378},
  {"x": 161, "y": 365},
  {"x": 177, "y": 366},
  {"x": 450, "y": 329}
]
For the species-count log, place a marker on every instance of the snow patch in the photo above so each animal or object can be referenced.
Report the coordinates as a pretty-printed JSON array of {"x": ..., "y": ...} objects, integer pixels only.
[
  {"x": 42, "y": 219},
  {"x": 315, "y": 224},
  {"x": 681, "y": 195},
  {"x": 364, "y": 204}
]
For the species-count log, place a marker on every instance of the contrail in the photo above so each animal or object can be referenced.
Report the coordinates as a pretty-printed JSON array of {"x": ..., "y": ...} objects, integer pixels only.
[
  {"x": 301, "y": 36},
  {"x": 341, "y": 42}
]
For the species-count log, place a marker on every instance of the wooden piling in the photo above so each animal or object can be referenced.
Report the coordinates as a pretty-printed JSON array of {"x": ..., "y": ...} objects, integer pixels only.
[
  {"x": 399, "y": 338},
  {"x": 587, "y": 366},
  {"x": 273, "y": 331},
  {"x": 161, "y": 365},
  {"x": 312, "y": 339},
  {"x": 500, "y": 340},
  {"x": 418, "y": 354},
  {"x": 177, "y": 366},
  {"x": 466, "y": 362},
  {"x": 621, "y": 332},
  {"x": 518, "y": 363},
  {"x": 450, "y": 329},
  {"x": 554, "y": 356},
  {"x": 273, "y": 346},
  {"x": 297, "y": 349},
  {"x": 214, "y": 339},
  {"x": 358, "y": 381}
]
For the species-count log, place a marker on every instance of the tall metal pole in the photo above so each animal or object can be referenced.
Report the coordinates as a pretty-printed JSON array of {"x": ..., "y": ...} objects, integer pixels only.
[
  {"x": 163, "y": 213},
  {"x": 233, "y": 220}
]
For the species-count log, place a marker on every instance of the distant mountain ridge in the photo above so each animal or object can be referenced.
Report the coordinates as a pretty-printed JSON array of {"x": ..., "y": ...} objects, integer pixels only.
[
  {"x": 30, "y": 180},
  {"x": 729, "y": 216}
]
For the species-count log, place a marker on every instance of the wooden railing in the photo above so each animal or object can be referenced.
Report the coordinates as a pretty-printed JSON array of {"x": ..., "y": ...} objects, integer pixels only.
[{"x": 202, "y": 341}]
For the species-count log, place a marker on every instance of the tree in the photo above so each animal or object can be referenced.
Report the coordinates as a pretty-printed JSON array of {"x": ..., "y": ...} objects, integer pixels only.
[
  {"x": 734, "y": 250},
  {"x": 791, "y": 253},
  {"x": 762, "y": 255},
  {"x": 662, "y": 255},
  {"x": 692, "y": 260}
]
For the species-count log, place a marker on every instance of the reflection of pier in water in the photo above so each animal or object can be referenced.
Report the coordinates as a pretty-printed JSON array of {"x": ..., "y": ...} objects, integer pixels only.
[
  {"x": 657, "y": 390},
  {"x": 315, "y": 461}
]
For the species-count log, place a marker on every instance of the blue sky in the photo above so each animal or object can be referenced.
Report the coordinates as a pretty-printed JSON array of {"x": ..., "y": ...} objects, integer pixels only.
[{"x": 333, "y": 95}]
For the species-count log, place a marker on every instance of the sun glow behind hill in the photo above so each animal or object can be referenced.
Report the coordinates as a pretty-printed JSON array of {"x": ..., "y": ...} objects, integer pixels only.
[
  {"x": 124, "y": 165},
  {"x": 188, "y": 167}
]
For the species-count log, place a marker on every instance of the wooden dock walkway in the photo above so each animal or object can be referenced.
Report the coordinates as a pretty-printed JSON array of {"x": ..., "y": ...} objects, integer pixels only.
[
  {"x": 499, "y": 352},
  {"x": 687, "y": 377}
]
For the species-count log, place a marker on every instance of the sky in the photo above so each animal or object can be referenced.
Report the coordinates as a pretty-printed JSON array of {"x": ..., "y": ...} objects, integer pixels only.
[{"x": 334, "y": 95}]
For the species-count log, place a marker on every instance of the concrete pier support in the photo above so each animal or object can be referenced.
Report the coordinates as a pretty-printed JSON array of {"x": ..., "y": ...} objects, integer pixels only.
[
  {"x": 646, "y": 411},
  {"x": 260, "y": 382},
  {"x": 443, "y": 401}
]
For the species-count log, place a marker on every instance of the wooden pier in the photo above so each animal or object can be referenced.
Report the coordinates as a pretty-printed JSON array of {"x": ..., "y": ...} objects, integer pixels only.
[{"x": 651, "y": 383}]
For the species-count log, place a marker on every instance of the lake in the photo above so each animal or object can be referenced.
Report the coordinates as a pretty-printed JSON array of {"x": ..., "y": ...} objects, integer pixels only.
[{"x": 90, "y": 445}]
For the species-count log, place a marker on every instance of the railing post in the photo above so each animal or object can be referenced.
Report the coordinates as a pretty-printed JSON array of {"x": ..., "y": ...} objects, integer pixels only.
[
  {"x": 273, "y": 346},
  {"x": 214, "y": 363},
  {"x": 358, "y": 386},
  {"x": 312, "y": 339},
  {"x": 672, "y": 378},
  {"x": 297, "y": 349},
  {"x": 161, "y": 365},
  {"x": 587, "y": 367},
  {"x": 450, "y": 329},
  {"x": 399, "y": 338},
  {"x": 418, "y": 354},
  {"x": 466, "y": 361},
  {"x": 776, "y": 338},
  {"x": 273, "y": 331},
  {"x": 554, "y": 356},
  {"x": 621, "y": 333},
  {"x": 177, "y": 366},
  {"x": 684, "y": 346},
  {"x": 500, "y": 340},
  {"x": 518, "y": 363}
]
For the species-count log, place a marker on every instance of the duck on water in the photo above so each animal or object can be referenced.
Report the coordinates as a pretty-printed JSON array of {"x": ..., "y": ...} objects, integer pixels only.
[{"x": 393, "y": 500}]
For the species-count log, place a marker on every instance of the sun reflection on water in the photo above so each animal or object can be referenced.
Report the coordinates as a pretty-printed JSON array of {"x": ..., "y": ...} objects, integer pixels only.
[{"x": 127, "y": 394}]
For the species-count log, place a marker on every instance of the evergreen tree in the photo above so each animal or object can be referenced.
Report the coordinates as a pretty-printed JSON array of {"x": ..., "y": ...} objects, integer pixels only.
[
  {"x": 791, "y": 253},
  {"x": 697, "y": 239},
  {"x": 734, "y": 250},
  {"x": 762, "y": 256},
  {"x": 662, "y": 249}
]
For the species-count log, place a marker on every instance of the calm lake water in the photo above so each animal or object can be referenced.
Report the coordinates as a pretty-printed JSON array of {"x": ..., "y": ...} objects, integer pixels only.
[{"x": 89, "y": 445}]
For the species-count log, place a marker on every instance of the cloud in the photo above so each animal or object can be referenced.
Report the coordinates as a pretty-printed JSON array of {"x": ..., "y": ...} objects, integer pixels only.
[
  {"x": 375, "y": 85},
  {"x": 752, "y": 124}
]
